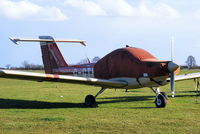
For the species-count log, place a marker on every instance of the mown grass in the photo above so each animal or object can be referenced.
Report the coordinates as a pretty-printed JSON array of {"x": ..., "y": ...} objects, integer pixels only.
[{"x": 39, "y": 108}]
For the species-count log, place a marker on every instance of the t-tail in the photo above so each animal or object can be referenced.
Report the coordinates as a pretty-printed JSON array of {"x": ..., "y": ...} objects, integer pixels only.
[{"x": 51, "y": 55}]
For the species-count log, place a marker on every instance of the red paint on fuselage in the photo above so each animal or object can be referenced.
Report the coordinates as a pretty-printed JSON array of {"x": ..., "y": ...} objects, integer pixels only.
[{"x": 130, "y": 62}]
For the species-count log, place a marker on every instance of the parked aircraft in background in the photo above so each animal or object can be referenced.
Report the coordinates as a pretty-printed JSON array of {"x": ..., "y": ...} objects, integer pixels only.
[{"x": 124, "y": 68}]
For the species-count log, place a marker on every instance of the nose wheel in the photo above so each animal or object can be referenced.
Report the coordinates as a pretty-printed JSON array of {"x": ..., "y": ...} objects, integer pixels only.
[
  {"x": 161, "y": 97},
  {"x": 161, "y": 101}
]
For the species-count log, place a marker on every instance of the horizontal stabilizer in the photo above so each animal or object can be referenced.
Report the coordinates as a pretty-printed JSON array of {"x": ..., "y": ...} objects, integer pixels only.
[{"x": 16, "y": 40}]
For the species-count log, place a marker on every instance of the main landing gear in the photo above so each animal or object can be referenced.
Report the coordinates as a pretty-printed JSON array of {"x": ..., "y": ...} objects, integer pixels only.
[
  {"x": 160, "y": 101},
  {"x": 161, "y": 98},
  {"x": 90, "y": 100}
]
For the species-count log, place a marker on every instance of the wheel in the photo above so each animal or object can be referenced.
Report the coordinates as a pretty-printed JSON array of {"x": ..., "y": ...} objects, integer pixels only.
[
  {"x": 165, "y": 95},
  {"x": 90, "y": 101},
  {"x": 160, "y": 101}
]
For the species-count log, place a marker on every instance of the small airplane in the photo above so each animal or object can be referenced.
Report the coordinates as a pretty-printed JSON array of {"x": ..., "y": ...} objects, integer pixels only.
[{"x": 123, "y": 68}]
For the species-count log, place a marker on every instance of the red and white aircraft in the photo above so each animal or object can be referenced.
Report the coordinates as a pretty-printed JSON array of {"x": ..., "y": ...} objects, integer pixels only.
[{"x": 124, "y": 68}]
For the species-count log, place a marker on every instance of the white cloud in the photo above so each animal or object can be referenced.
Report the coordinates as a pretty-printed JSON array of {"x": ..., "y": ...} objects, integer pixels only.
[
  {"x": 24, "y": 9},
  {"x": 89, "y": 7},
  {"x": 117, "y": 7},
  {"x": 165, "y": 10},
  {"x": 123, "y": 8}
]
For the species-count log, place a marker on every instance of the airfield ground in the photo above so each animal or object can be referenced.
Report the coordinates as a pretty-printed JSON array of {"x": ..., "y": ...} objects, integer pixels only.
[{"x": 39, "y": 108}]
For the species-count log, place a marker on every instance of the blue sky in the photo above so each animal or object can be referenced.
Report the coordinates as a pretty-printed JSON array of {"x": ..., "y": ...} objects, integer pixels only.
[{"x": 105, "y": 25}]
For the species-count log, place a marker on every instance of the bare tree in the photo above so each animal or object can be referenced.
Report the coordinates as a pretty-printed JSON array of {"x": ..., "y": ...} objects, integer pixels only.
[
  {"x": 8, "y": 66},
  {"x": 25, "y": 65},
  {"x": 84, "y": 61},
  {"x": 191, "y": 62},
  {"x": 30, "y": 66},
  {"x": 95, "y": 59}
]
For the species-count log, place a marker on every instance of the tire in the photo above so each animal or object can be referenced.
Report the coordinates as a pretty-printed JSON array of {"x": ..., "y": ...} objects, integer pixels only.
[
  {"x": 160, "y": 101},
  {"x": 165, "y": 95},
  {"x": 90, "y": 101}
]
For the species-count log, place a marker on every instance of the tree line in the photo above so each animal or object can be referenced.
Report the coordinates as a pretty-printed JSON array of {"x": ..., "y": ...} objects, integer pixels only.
[
  {"x": 25, "y": 65},
  {"x": 190, "y": 64}
]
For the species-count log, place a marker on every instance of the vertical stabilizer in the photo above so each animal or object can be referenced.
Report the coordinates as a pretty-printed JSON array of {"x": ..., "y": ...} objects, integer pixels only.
[{"x": 51, "y": 55}]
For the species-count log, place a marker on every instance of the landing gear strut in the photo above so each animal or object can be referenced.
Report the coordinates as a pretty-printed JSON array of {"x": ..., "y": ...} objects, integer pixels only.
[
  {"x": 197, "y": 88},
  {"x": 90, "y": 100},
  {"x": 197, "y": 83},
  {"x": 161, "y": 98}
]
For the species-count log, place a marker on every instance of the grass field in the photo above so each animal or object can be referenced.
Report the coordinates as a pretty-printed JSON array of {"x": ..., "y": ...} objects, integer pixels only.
[{"x": 37, "y": 108}]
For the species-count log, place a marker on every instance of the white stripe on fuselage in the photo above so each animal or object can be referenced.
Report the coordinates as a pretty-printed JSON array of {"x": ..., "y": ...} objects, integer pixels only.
[
  {"x": 75, "y": 71},
  {"x": 134, "y": 83}
]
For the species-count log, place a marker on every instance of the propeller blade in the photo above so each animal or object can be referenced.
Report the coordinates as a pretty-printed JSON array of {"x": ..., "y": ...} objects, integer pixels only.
[
  {"x": 172, "y": 83},
  {"x": 171, "y": 68}
]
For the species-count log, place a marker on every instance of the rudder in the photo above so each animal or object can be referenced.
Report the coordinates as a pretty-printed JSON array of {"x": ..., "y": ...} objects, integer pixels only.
[{"x": 51, "y": 55}]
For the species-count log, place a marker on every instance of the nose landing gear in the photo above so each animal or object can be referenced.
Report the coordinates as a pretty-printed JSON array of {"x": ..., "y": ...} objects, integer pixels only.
[{"x": 161, "y": 98}]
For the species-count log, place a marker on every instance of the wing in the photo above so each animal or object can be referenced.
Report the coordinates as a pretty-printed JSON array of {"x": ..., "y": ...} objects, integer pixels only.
[
  {"x": 61, "y": 78},
  {"x": 186, "y": 77}
]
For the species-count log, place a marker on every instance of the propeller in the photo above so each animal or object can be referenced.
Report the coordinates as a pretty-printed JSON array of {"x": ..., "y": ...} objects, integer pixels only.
[{"x": 171, "y": 68}]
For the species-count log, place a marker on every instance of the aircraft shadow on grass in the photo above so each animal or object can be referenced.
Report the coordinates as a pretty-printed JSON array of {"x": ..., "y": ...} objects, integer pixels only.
[
  {"x": 30, "y": 104},
  {"x": 124, "y": 99},
  {"x": 189, "y": 94}
]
